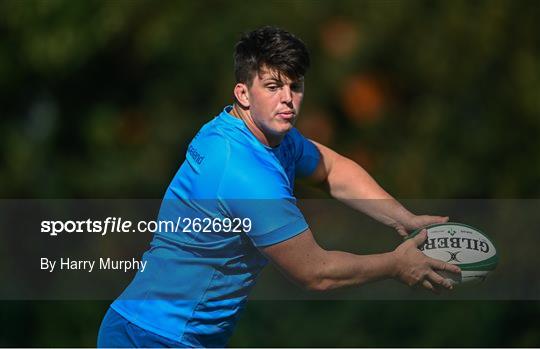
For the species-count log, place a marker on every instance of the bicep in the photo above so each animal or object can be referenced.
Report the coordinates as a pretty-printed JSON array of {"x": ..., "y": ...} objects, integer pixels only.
[
  {"x": 299, "y": 258},
  {"x": 326, "y": 162}
]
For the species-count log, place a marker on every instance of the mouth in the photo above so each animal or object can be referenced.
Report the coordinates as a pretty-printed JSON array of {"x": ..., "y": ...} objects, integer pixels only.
[{"x": 286, "y": 115}]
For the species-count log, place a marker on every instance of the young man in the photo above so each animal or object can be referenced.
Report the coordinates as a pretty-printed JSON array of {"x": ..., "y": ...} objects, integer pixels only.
[{"x": 241, "y": 166}]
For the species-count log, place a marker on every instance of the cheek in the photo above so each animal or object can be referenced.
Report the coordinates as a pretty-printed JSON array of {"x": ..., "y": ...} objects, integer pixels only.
[
  {"x": 297, "y": 100},
  {"x": 267, "y": 104},
  {"x": 261, "y": 109},
  {"x": 260, "y": 101}
]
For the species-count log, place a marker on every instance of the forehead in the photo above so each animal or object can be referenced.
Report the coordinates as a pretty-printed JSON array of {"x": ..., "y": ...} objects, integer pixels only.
[{"x": 268, "y": 74}]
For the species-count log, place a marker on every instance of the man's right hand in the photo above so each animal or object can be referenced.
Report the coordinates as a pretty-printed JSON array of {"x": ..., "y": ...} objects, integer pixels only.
[{"x": 415, "y": 268}]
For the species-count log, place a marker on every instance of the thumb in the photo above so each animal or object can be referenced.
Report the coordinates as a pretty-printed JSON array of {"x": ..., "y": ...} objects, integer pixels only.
[{"x": 420, "y": 238}]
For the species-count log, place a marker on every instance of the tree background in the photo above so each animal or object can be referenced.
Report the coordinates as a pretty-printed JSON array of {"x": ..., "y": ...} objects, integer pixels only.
[{"x": 437, "y": 99}]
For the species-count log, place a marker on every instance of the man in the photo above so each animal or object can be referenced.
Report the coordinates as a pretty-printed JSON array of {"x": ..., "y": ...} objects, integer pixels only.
[{"x": 242, "y": 165}]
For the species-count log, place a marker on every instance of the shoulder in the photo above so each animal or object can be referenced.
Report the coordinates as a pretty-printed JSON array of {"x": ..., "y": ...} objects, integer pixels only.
[
  {"x": 252, "y": 172},
  {"x": 208, "y": 149}
]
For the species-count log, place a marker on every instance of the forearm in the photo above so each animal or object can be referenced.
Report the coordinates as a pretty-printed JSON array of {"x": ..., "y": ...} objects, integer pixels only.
[
  {"x": 351, "y": 184},
  {"x": 339, "y": 269}
]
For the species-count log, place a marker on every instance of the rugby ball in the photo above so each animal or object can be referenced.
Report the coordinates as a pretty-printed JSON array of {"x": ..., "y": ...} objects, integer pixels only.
[{"x": 463, "y": 245}]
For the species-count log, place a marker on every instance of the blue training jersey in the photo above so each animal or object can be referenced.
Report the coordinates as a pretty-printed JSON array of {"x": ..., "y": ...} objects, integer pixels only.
[{"x": 196, "y": 281}]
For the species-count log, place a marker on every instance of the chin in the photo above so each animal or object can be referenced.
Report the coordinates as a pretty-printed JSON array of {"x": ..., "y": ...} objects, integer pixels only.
[
  {"x": 284, "y": 129},
  {"x": 284, "y": 126},
  {"x": 278, "y": 128}
]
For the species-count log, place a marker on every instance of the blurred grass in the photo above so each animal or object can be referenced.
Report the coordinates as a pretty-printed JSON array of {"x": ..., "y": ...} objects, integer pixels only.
[{"x": 305, "y": 324}]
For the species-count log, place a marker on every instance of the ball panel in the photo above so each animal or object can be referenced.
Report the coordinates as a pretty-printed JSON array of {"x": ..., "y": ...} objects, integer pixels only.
[{"x": 486, "y": 265}]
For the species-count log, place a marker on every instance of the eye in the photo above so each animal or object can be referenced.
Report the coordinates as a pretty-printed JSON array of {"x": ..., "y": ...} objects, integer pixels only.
[
  {"x": 272, "y": 87},
  {"x": 297, "y": 87}
]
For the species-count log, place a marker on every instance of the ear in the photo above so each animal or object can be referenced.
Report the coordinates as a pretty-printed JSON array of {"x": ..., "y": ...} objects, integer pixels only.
[{"x": 241, "y": 94}]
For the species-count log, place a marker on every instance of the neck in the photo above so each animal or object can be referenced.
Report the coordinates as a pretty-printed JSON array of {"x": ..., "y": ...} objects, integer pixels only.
[{"x": 245, "y": 115}]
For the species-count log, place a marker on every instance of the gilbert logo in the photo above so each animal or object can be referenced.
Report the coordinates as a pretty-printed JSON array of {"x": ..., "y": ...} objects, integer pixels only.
[{"x": 455, "y": 242}]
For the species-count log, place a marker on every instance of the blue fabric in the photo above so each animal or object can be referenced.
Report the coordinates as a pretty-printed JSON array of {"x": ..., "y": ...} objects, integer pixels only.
[
  {"x": 117, "y": 332},
  {"x": 196, "y": 283}
]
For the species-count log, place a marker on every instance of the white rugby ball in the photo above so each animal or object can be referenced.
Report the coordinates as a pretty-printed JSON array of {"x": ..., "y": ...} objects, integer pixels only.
[{"x": 463, "y": 245}]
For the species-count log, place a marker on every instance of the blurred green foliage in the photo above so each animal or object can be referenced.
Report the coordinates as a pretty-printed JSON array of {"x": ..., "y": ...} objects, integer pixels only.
[{"x": 437, "y": 99}]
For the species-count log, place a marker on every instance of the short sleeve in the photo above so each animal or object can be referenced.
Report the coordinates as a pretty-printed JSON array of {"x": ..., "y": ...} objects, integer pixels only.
[
  {"x": 307, "y": 155},
  {"x": 255, "y": 189},
  {"x": 271, "y": 221}
]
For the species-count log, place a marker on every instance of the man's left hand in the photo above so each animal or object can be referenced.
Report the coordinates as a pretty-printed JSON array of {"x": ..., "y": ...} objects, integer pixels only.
[{"x": 414, "y": 222}]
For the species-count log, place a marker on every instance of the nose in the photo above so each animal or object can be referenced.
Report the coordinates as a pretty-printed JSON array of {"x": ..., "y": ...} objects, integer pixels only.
[{"x": 286, "y": 94}]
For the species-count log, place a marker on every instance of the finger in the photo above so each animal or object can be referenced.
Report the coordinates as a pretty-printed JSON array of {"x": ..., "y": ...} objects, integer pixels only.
[
  {"x": 420, "y": 238},
  {"x": 426, "y": 284},
  {"x": 427, "y": 220},
  {"x": 438, "y": 289},
  {"x": 438, "y": 280},
  {"x": 440, "y": 265},
  {"x": 402, "y": 232}
]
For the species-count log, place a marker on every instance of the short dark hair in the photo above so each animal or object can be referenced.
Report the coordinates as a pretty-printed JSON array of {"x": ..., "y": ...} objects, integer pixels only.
[{"x": 273, "y": 48}]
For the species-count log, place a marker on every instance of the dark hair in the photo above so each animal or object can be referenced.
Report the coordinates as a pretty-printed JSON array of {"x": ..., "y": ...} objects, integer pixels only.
[{"x": 272, "y": 47}]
